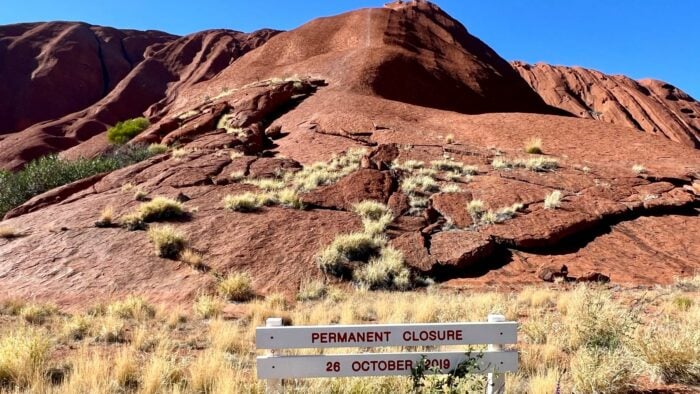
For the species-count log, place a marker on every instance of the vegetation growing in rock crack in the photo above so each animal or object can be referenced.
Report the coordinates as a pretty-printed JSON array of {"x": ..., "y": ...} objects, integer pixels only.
[
  {"x": 124, "y": 131},
  {"x": 552, "y": 200}
]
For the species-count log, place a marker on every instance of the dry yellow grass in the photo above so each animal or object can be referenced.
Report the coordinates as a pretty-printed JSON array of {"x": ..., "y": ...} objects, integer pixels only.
[
  {"x": 587, "y": 342},
  {"x": 8, "y": 232}
]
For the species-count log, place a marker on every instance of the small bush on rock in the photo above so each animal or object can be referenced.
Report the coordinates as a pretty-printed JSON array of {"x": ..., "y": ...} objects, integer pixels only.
[
  {"x": 167, "y": 240},
  {"x": 124, "y": 131},
  {"x": 161, "y": 208},
  {"x": 346, "y": 248}
]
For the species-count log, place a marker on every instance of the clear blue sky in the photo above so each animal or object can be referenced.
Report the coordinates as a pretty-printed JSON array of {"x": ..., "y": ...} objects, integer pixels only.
[{"x": 639, "y": 38}]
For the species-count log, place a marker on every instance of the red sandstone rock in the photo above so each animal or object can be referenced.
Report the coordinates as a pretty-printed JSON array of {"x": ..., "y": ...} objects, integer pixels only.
[
  {"x": 638, "y": 229},
  {"x": 364, "y": 184},
  {"x": 648, "y": 105}
]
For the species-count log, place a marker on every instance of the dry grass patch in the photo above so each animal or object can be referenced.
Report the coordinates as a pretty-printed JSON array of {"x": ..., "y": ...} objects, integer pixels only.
[
  {"x": 161, "y": 208},
  {"x": 639, "y": 169},
  {"x": 168, "y": 241},
  {"x": 236, "y": 287},
  {"x": 423, "y": 183},
  {"x": 553, "y": 200},
  {"x": 157, "y": 149},
  {"x": 540, "y": 164},
  {"x": 346, "y": 248},
  {"x": 386, "y": 271},
  {"x": 596, "y": 370},
  {"x": 24, "y": 353},
  {"x": 7, "y": 232},
  {"x": 533, "y": 146},
  {"x": 37, "y": 313},
  {"x": 207, "y": 307},
  {"x": 312, "y": 290},
  {"x": 246, "y": 202},
  {"x": 191, "y": 258},
  {"x": 106, "y": 218},
  {"x": 132, "y": 307}
]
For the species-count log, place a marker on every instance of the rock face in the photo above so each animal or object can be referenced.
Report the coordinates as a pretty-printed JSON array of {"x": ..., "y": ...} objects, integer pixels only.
[
  {"x": 327, "y": 89},
  {"x": 123, "y": 86},
  {"x": 648, "y": 105},
  {"x": 53, "y": 69}
]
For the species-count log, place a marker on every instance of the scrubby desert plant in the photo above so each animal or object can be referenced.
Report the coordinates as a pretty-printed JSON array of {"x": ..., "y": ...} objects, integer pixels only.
[
  {"x": 370, "y": 209},
  {"x": 552, "y": 200},
  {"x": 157, "y": 149},
  {"x": 541, "y": 163},
  {"x": 289, "y": 198},
  {"x": 266, "y": 184},
  {"x": 50, "y": 171},
  {"x": 124, "y": 131},
  {"x": 7, "y": 232},
  {"x": 24, "y": 354},
  {"x": 167, "y": 240},
  {"x": 179, "y": 153},
  {"x": 236, "y": 287},
  {"x": 451, "y": 188},
  {"x": 237, "y": 176},
  {"x": 476, "y": 208},
  {"x": 671, "y": 349},
  {"x": 639, "y": 169},
  {"x": 450, "y": 139},
  {"x": 133, "y": 221},
  {"x": 207, "y": 306},
  {"x": 246, "y": 202},
  {"x": 422, "y": 183},
  {"x": 533, "y": 146},
  {"x": 161, "y": 208},
  {"x": 596, "y": 370},
  {"x": 311, "y": 290},
  {"x": 500, "y": 163},
  {"x": 191, "y": 258},
  {"x": 132, "y": 307},
  {"x": 77, "y": 327},
  {"x": 385, "y": 271},
  {"x": 106, "y": 218},
  {"x": 346, "y": 248},
  {"x": 37, "y": 313}
]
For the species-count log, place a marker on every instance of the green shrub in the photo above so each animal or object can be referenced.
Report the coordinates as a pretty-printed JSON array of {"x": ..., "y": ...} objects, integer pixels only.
[
  {"x": 122, "y": 132},
  {"x": 49, "y": 172}
]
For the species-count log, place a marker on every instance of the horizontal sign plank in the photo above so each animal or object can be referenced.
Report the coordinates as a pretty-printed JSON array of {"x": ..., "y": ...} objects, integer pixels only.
[
  {"x": 378, "y": 364},
  {"x": 375, "y": 335}
]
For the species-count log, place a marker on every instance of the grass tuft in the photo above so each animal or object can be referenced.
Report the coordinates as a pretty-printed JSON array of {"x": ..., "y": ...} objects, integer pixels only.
[
  {"x": 553, "y": 200},
  {"x": 236, "y": 287},
  {"x": 168, "y": 241},
  {"x": 346, "y": 248},
  {"x": 533, "y": 146},
  {"x": 161, "y": 208}
]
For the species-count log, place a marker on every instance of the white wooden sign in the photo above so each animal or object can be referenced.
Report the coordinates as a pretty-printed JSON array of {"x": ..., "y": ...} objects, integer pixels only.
[
  {"x": 275, "y": 338},
  {"x": 377, "y": 335},
  {"x": 377, "y": 364}
]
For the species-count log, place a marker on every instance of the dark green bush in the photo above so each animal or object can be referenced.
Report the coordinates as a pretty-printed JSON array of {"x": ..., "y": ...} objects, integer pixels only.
[
  {"x": 124, "y": 131},
  {"x": 49, "y": 172}
]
